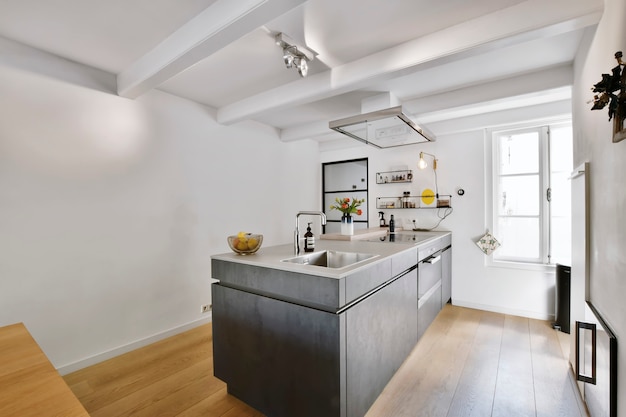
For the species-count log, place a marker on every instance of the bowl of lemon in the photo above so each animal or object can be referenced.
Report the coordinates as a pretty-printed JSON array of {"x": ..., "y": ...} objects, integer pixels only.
[{"x": 245, "y": 243}]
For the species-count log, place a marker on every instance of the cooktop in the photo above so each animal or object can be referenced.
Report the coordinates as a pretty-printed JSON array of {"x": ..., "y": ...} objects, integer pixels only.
[{"x": 403, "y": 237}]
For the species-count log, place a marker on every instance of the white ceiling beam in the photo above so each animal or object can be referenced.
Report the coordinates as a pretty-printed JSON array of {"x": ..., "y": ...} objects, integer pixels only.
[
  {"x": 222, "y": 23},
  {"x": 522, "y": 22},
  {"x": 305, "y": 131},
  {"x": 537, "y": 82},
  {"x": 549, "y": 85},
  {"x": 514, "y": 102},
  {"x": 538, "y": 113}
]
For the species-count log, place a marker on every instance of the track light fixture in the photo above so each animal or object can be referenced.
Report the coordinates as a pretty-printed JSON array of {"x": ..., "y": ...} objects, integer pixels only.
[
  {"x": 288, "y": 56},
  {"x": 294, "y": 56},
  {"x": 301, "y": 66}
]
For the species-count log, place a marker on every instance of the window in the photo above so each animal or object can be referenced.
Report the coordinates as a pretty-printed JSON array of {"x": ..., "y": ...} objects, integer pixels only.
[{"x": 531, "y": 193}]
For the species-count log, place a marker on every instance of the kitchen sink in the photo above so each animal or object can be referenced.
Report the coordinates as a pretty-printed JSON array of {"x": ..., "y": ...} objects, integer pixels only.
[{"x": 330, "y": 258}]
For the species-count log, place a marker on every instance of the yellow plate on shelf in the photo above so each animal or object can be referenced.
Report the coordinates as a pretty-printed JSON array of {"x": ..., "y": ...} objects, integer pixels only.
[{"x": 428, "y": 196}]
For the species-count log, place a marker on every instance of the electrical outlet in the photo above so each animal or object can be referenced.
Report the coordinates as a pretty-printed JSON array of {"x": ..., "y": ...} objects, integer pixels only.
[{"x": 206, "y": 308}]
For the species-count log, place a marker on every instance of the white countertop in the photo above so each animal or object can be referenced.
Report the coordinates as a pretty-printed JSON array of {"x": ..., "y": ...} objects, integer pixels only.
[{"x": 271, "y": 256}]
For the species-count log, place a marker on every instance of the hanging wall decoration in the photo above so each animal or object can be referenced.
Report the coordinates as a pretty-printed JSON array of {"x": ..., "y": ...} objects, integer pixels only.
[
  {"x": 488, "y": 243},
  {"x": 611, "y": 91}
]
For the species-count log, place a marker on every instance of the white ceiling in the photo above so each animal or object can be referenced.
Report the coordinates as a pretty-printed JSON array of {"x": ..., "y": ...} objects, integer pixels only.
[{"x": 437, "y": 57}]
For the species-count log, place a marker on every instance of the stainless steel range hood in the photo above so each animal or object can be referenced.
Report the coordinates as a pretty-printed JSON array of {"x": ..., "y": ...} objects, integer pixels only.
[{"x": 386, "y": 128}]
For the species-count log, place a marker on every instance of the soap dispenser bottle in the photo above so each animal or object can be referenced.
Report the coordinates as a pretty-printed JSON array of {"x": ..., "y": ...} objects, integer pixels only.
[
  {"x": 392, "y": 225},
  {"x": 309, "y": 240},
  {"x": 382, "y": 219}
]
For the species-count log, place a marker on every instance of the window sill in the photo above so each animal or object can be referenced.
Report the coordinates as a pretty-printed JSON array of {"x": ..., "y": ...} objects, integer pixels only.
[{"x": 521, "y": 265}]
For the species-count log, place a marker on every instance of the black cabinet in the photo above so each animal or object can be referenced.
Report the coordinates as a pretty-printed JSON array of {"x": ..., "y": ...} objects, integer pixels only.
[
  {"x": 280, "y": 358},
  {"x": 562, "y": 298},
  {"x": 380, "y": 334},
  {"x": 286, "y": 359}
]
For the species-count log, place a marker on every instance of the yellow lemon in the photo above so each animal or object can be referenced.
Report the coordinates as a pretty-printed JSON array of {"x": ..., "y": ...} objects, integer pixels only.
[
  {"x": 242, "y": 245},
  {"x": 252, "y": 243}
]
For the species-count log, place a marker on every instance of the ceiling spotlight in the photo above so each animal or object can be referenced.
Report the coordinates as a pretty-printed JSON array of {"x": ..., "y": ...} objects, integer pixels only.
[
  {"x": 294, "y": 55},
  {"x": 301, "y": 66},
  {"x": 288, "y": 57}
]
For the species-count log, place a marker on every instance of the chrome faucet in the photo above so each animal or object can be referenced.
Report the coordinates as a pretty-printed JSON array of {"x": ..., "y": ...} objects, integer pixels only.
[{"x": 296, "y": 236}]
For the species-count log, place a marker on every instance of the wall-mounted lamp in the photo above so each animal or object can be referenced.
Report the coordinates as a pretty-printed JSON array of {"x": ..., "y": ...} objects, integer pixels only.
[
  {"x": 295, "y": 56},
  {"x": 421, "y": 164}
]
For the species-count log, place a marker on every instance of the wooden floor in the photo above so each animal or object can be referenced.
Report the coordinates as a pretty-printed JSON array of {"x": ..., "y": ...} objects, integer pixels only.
[
  {"x": 476, "y": 363},
  {"x": 469, "y": 363}
]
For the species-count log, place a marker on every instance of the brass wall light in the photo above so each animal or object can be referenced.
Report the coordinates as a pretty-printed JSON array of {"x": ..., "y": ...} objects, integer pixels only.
[
  {"x": 421, "y": 164},
  {"x": 428, "y": 196}
]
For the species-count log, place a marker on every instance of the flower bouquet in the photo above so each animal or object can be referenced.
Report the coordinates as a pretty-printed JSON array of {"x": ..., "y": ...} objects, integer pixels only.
[{"x": 347, "y": 207}]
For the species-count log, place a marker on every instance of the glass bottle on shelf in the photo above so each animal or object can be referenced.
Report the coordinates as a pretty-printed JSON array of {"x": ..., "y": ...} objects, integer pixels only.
[{"x": 405, "y": 199}]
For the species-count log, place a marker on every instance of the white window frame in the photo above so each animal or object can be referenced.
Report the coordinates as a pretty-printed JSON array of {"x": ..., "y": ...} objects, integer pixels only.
[{"x": 542, "y": 263}]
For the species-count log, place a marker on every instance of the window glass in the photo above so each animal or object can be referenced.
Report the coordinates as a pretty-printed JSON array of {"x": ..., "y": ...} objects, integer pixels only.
[
  {"x": 519, "y": 153},
  {"x": 561, "y": 162},
  {"x": 561, "y": 240},
  {"x": 519, "y": 237},
  {"x": 561, "y": 151},
  {"x": 531, "y": 194},
  {"x": 519, "y": 195}
]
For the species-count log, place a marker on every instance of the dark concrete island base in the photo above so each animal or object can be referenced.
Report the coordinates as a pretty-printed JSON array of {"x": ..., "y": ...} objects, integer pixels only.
[{"x": 303, "y": 340}]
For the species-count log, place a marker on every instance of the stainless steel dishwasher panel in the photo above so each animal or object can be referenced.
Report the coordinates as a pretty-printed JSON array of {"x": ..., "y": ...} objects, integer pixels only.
[
  {"x": 428, "y": 291},
  {"x": 429, "y": 271}
]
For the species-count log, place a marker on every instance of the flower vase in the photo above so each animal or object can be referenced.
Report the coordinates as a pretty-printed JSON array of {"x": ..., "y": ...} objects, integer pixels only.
[{"x": 347, "y": 227}]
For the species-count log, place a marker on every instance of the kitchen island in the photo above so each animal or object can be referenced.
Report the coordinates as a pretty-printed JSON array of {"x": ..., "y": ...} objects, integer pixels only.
[{"x": 296, "y": 339}]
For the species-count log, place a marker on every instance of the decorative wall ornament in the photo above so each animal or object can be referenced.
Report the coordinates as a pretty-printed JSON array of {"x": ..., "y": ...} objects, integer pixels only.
[
  {"x": 611, "y": 91},
  {"x": 488, "y": 243}
]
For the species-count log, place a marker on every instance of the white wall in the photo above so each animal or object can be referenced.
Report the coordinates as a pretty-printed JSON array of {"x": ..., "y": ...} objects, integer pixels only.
[
  {"x": 461, "y": 155},
  {"x": 110, "y": 208},
  {"x": 607, "y": 176}
]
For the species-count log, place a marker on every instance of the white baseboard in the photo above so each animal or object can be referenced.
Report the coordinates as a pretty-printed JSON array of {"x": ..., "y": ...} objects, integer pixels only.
[
  {"x": 92, "y": 360},
  {"x": 502, "y": 310}
]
